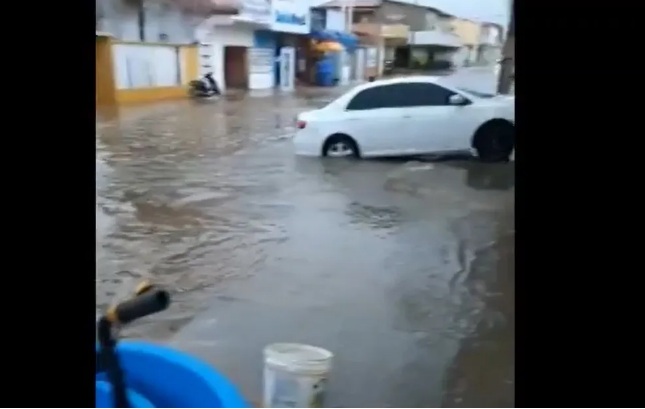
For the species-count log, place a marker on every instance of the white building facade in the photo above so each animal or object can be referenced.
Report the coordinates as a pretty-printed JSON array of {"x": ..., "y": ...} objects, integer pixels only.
[
  {"x": 163, "y": 22},
  {"x": 490, "y": 44},
  {"x": 216, "y": 36},
  {"x": 143, "y": 53},
  {"x": 249, "y": 41}
]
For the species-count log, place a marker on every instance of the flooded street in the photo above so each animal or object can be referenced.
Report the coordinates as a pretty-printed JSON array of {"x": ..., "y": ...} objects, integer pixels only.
[{"x": 403, "y": 269}]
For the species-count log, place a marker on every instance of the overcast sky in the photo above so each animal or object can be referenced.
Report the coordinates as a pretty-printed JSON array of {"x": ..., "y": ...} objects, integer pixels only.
[{"x": 494, "y": 11}]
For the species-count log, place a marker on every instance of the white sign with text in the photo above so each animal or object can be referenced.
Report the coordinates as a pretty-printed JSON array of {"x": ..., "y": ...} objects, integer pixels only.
[
  {"x": 290, "y": 16},
  {"x": 257, "y": 11}
]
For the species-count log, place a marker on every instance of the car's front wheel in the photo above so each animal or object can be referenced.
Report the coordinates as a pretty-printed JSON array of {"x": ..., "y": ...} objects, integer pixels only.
[
  {"x": 340, "y": 146},
  {"x": 495, "y": 141}
]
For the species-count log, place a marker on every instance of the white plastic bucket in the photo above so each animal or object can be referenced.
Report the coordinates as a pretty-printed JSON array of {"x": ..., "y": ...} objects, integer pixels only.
[{"x": 295, "y": 375}]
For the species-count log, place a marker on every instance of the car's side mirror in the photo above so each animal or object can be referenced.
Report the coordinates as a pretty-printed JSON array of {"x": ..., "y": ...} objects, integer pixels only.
[{"x": 458, "y": 100}]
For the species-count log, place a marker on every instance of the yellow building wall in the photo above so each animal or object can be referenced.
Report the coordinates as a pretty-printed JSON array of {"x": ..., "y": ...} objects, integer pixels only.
[
  {"x": 140, "y": 95},
  {"x": 105, "y": 89},
  {"x": 190, "y": 57},
  {"x": 105, "y": 86},
  {"x": 468, "y": 31}
]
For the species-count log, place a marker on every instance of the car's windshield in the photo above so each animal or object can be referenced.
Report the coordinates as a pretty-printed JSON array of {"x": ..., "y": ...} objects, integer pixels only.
[{"x": 477, "y": 93}]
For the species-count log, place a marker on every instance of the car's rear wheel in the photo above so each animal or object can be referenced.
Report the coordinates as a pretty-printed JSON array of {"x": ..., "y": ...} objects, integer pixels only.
[
  {"x": 341, "y": 146},
  {"x": 495, "y": 141}
]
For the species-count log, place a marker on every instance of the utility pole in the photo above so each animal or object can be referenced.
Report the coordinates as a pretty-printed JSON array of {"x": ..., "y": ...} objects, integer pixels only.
[
  {"x": 141, "y": 20},
  {"x": 347, "y": 8},
  {"x": 506, "y": 73}
]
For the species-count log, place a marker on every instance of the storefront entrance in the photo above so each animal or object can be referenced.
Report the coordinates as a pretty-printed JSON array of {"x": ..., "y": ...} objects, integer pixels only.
[{"x": 235, "y": 67}]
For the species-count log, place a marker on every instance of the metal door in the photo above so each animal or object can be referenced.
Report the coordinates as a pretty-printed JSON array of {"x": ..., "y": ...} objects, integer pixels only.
[{"x": 287, "y": 68}]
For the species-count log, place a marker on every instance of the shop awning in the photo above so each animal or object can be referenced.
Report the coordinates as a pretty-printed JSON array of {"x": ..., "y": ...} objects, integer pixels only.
[{"x": 348, "y": 40}]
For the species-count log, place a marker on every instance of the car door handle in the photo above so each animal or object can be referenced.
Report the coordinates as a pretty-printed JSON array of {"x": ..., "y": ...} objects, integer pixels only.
[{"x": 407, "y": 116}]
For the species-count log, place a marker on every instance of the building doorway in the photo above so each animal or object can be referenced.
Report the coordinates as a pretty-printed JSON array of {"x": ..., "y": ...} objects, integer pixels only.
[
  {"x": 402, "y": 57},
  {"x": 296, "y": 41},
  {"x": 236, "y": 67}
]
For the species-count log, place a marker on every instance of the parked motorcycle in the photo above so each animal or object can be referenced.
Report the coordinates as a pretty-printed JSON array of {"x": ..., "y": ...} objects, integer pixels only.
[{"x": 205, "y": 87}]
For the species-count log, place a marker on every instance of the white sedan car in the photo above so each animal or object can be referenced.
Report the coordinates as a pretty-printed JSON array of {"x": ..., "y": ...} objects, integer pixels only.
[{"x": 409, "y": 116}]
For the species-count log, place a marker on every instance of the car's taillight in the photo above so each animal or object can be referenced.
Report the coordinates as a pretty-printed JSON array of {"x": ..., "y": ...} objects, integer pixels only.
[{"x": 301, "y": 124}]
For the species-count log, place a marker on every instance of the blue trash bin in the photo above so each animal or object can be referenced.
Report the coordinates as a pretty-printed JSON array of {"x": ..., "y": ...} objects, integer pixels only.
[
  {"x": 158, "y": 376},
  {"x": 104, "y": 397},
  {"x": 325, "y": 72}
]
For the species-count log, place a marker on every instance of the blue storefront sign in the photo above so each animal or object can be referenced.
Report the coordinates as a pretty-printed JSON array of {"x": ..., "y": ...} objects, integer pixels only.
[
  {"x": 264, "y": 39},
  {"x": 290, "y": 16}
]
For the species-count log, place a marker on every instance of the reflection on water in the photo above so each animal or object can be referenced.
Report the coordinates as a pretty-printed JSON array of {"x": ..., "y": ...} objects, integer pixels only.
[
  {"x": 168, "y": 193},
  {"x": 205, "y": 198},
  {"x": 483, "y": 371}
]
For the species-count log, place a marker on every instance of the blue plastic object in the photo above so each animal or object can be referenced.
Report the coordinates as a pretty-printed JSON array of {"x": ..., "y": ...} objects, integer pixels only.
[
  {"x": 348, "y": 40},
  {"x": 324, "y": 35},
  {"x": 104, "y": 396},
  {"x": 325, "y": 72},
  {"x": 162, "y": 377}
]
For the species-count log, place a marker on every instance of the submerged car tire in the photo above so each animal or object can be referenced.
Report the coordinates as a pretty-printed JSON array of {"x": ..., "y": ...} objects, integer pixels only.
[
  {"x": 494, "y": 141},
  {"x": 340, "y": 146}
]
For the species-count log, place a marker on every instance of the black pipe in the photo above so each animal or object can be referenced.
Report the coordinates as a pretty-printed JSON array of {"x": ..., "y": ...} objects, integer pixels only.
[{"x": 110, "y": 363}]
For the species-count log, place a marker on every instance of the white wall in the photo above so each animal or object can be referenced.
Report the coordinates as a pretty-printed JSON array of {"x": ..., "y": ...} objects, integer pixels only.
[
  {"x": 381, "y": 58},
  {"x": 261, "y": 68},
  {"x": 434, "y": 37},
  {"x": 374, "y": 59},
  {"x": 445, "y": 24},
  {"x": 489, "y": 55},
  {"x": 433, "y": 29},
  {"x": 432, "y": 20},
  {"x": 490, "y": 35},
  {"x": 461, "y": 56},
  {"x": 221, "y": 36},
  {"x": 163, "y": 22},
  {"x": 142, "y": 66},
  {"x": 335, "y": 20},
  {"x": 389, "y": 53},
  {"x": 448, "y": 55}
]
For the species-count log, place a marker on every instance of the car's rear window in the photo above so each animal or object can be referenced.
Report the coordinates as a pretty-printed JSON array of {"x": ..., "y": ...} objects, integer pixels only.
[{"x": 478, "y": 93}]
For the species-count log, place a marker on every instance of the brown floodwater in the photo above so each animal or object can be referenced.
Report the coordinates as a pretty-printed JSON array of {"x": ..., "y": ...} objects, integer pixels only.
[{"x": 404, "y": 269}]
